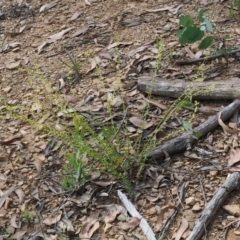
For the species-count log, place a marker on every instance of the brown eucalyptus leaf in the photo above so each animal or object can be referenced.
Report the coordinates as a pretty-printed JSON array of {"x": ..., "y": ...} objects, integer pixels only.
[
  {"x": 113, "y": 211},
  {"x": 21, "y": 195},
  {"x": 234, "y": 157},
  {"x": 80, "y": 31},
  {"x": 87, "y": 2},
  {"x": 154, "y": 199},
  {"x": 75, "y": 16},
  {"x": 156, "y": 103},
  {"x": 59, "y": 35},
  {"x": 5, "y": 195},
  {"x": 18, "y": 235},
  {"x": 48, "y": 6},
  {"x": 62, "y": 84},
  {"x": 71, "y": 98},
  {"x": 103, "y": 183},
  {"x": 38, "y": 166},
  {"x": 53, "y": 219},
  {"x": 134, "y": 222},
  {"x": 93, "y": 229},
  {"x": 225, "y": 128},
  {"x": 140, "y": 123},
  {"x": 183, "y": 227},
  {"x": 160, "y": 219},
  {"x": 13, "y": 221},
  {"x": 13, "y": 65},
  {"x": 87, "y": 225}
]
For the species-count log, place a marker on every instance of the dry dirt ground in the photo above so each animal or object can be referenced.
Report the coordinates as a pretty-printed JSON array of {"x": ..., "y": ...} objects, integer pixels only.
[{"x": 105, "y": 37}]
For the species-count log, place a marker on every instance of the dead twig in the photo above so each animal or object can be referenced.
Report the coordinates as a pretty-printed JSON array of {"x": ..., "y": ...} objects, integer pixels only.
[
  {"x": 231, "y": 183},
  {"x": 191, "y": 61}
]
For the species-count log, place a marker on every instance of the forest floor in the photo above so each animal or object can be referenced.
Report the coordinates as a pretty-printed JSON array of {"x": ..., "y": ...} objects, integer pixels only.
[{"x": 110, "y": 39}]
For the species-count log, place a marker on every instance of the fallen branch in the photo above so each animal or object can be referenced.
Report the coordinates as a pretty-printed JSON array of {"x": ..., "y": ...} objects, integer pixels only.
[
  {"x": 229, "y": 89},
  {"x": 191, "y": 61},
  {"x": 134, "y": 213},
  {"x": 179, "y": 144},
  {"x": 231, "y": 183}
]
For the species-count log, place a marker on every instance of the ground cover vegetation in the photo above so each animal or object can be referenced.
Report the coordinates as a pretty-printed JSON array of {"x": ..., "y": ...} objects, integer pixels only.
[{"x": 107, "y": 149}]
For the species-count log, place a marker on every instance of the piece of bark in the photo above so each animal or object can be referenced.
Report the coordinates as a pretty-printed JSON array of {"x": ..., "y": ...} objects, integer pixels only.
[
  {"x": 228, "y": 89},
  {"x": 231, "y": 183},
  {"x": 134, "y": 213},
  {"x": 179, "y": 144}
]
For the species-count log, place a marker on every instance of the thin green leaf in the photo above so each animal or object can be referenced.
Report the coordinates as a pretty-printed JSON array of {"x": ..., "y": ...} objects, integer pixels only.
[
  {"x": 197, "y": 135},
  {"x": 206, "y": 42},
  {"x": 200, "y": 15},
  {"x": 186, "y": 21},
  {"x": 188, "y": 127}
]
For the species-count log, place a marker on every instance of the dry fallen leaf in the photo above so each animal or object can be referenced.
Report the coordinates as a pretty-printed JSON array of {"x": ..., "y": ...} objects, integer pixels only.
[
  {"x": 75, "y": 16},
  {"x": 21, "y": 195},
  {"x": 134, "y": 222},
  {"x": 83, "y": 30},
  {"x": 234, "y": 157},
  {"x": 18, "y": 235},
  {"x": 38, "y": 166},
  {"x": 71, "y": 98},
  {"x": 52, "y": 220},
  {"x": 225, "y": 128},
  {"x": 13, "y": 221},
  {"x": 13, "y": 65},
  {"x": 182, "y": 229},
  {"x": 48, "y": 6},
  {"x": 54, "y": 38},
  {"x": 90, "y": 225},
  {"x": 160, "y": 219},
  {"x": 5, "y": 195},
  {"x": 114, "y": 210},
  {"x": 140, "y": 123}
]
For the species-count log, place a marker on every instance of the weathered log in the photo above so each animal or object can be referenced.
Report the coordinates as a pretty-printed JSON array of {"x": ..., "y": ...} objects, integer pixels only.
[
  {"x": 231, "y": 183},
  {"x": 179, "y": 144},
  {"x": 228, "y": 89}
]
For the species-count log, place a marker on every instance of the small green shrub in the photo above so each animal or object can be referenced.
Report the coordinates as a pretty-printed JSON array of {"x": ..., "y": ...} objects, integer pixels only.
[
  {"x": 27, "y": 216},
  {"x": 232, "y": 9},
  {"x": 91, "y": 144},
  {"x": 191, "y": 33}
]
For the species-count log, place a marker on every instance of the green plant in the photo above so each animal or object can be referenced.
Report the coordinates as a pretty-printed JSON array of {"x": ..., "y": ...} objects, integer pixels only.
[
  {"x": 27, "y": 216},
  {"x": 74, "y": 171},
  {"x": 94, "y": 145},
  {"x": 191, "y": 33},
  {"x": 232, "y": 9},
  {"x": 73, "y": 65},
  {"x": 188, "y": 128}
]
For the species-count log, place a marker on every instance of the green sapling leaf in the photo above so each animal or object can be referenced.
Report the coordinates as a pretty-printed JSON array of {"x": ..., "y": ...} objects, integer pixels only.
[
  {"x": 220, "y": 52},
  {"x": 231, "y": 11},
  {"x": 186, "y": 21},
  {"x": 203, "y": 28},
  {"x": 206, "y": 42},
  {"x": 238, "y": 5},
  {"x": 197, "y": 135},
  {"x": 191, "y": 35},
  {"x": 188, "y": 127},
  {"x": 200, "y": 15},
  {"x": 184, "y": 104},
  {"x": 209, "y": 26},
  {"x": 226, "y": 37},
  {"x": 180, "y": 32}
]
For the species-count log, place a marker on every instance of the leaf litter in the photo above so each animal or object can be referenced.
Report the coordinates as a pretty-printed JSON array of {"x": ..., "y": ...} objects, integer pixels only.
[{"x": 135, "y": 49}]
